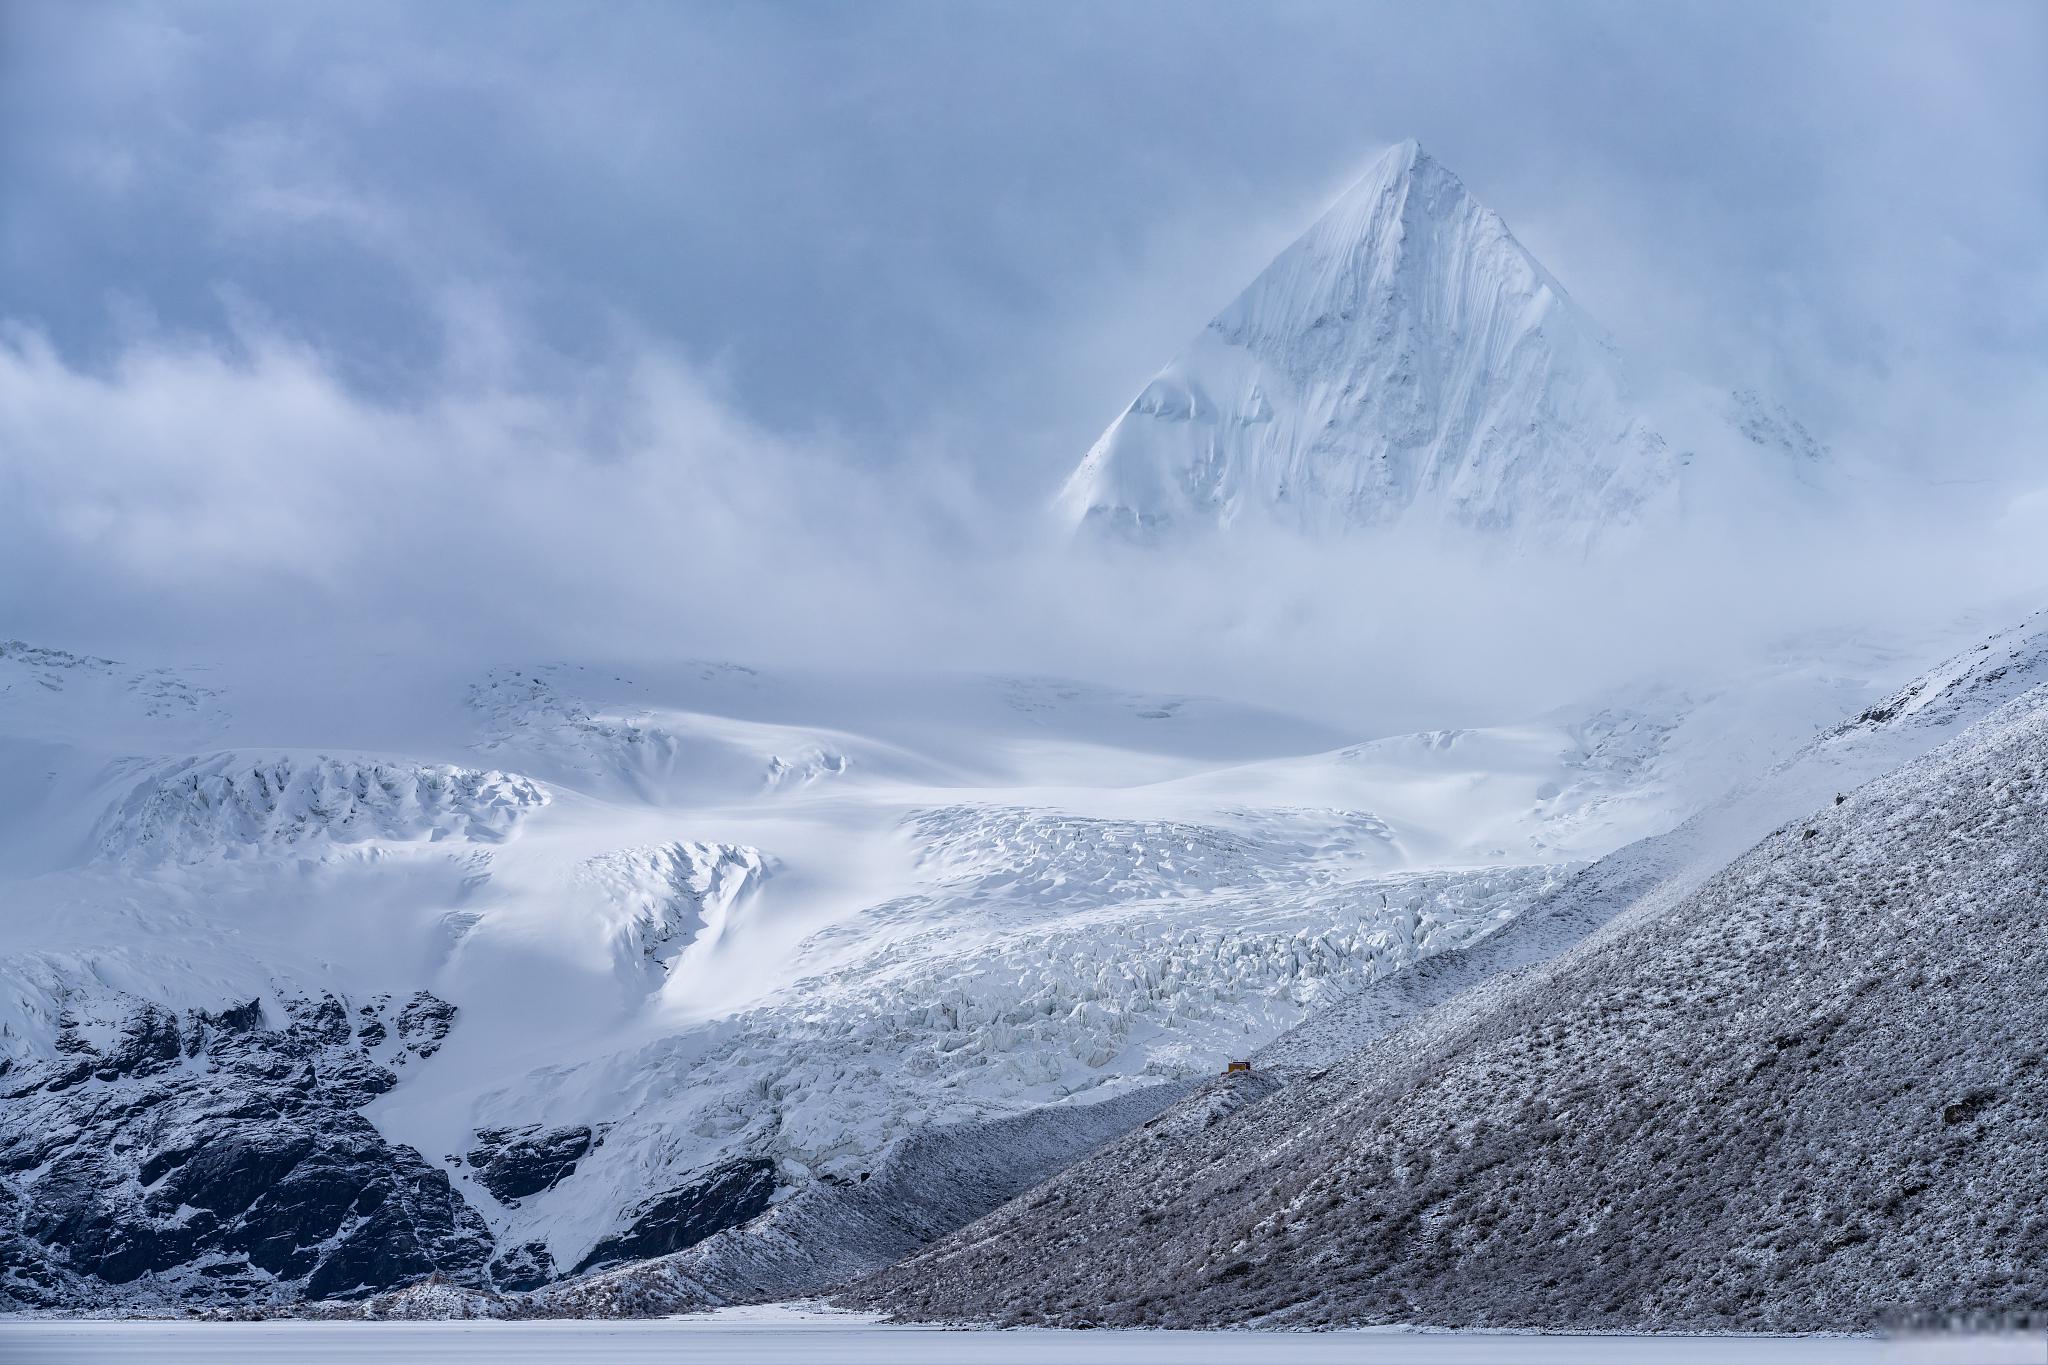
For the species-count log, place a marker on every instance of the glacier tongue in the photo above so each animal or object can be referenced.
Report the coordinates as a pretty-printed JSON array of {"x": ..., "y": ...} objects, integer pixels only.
[
  {"x": 677, "y": 895},
  {"x": 1404, "y": 360}
]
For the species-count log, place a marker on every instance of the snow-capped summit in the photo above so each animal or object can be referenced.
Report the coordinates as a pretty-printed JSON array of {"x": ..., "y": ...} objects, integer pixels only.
[{"x": 1405, "y": 360}]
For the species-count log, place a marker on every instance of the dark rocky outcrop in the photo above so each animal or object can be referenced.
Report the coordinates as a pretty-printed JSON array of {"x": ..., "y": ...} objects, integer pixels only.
[
  {"x": 219, "y": 1156},
  {"x": 725, "y": 1197},
  {"x": 526, "y": 1266},
  {"x": 516, "y": 1163},
  {"x": 422, "y": 1023}
]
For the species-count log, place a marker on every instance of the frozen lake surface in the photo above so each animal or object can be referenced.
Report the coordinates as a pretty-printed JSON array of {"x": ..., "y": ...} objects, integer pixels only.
[{"x": 785, "y": 1337}]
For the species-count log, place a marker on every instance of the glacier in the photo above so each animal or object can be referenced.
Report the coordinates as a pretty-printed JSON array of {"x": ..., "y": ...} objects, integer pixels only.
[{"x": 599, "y": 963}]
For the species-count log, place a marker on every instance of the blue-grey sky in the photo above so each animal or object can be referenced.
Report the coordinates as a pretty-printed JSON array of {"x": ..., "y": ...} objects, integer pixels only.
[
  {"x": 890, "y": 254},
  {"x": 864, "y": 215}
]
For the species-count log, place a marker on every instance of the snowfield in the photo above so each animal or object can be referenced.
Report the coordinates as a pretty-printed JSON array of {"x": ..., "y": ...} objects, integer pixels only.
[
  {"x": 777, "y": 1336},
  {"x": 707, "y": 939}
]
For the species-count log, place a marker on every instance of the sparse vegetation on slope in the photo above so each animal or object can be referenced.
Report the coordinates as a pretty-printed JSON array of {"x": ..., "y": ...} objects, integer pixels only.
[{"x": 1808, "y": 1096}]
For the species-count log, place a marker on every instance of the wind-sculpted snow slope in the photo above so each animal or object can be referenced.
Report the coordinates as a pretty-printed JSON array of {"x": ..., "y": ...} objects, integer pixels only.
[
  {"x": 1405, "y": 359},
  {"x": 1801, "y": 1097},
  {"x": 234, "y": 805},
  {"x": 675, "y": 896},
  {"x": 538, "y": 720}
]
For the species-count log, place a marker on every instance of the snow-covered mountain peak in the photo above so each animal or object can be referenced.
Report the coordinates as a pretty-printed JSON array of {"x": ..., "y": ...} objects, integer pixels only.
[{"x": 1404, "y": 359}]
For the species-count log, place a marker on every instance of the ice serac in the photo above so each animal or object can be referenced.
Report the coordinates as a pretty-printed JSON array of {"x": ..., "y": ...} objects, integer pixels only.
[{"x": 1404, "y": 360}]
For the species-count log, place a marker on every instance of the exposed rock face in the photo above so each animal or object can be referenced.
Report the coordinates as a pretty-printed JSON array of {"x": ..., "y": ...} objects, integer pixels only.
[
  {"x": 526, "y": 1266},
  {"x": 423, "y": 1022},
  {"x": 513, "y": 1163},
  {"x": 727, "y": 1196},
  {"x": 219, "y": 1156},
  {"x": 1802, "y": 1097}
]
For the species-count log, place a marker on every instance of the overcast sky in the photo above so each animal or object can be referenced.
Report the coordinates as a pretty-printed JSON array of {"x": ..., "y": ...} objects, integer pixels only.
[{"x": 881, "y": 255}]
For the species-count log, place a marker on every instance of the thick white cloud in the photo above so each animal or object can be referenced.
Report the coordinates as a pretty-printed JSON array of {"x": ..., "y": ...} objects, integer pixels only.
[
  {"x": 767, "y": 332},
  {"x": 993, "y": 221},
  {"x": 195, "y": 500},
  {"x": 250, "y": 485}
]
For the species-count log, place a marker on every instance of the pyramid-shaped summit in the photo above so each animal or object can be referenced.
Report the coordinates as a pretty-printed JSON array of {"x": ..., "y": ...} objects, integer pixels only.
[{"x": 1405, "y": 360}]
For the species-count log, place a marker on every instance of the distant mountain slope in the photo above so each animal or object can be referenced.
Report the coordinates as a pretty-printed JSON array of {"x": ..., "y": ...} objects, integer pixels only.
[
  {"x": 1801, "y": 1097},
  {"x": 1405, "y": 359},
  {"x": 694, "y": 947},
  {"x": 574, "y": 969},
  {"x": 1658, "y": 870}
]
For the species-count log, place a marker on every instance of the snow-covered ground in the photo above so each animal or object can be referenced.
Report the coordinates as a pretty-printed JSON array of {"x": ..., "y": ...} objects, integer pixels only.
[
  {"x": 780, "y": 1337},
  {"x": 701, "y": 915}
]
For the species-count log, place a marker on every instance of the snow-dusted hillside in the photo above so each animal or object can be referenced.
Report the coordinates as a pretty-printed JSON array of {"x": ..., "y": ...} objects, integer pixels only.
[
  {"x": 597, "y": 963},
  {"x": 1406, "y": 360},
  {"x": 1798, "y": 1096},
  {"x": 1657, "y": 871}
]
